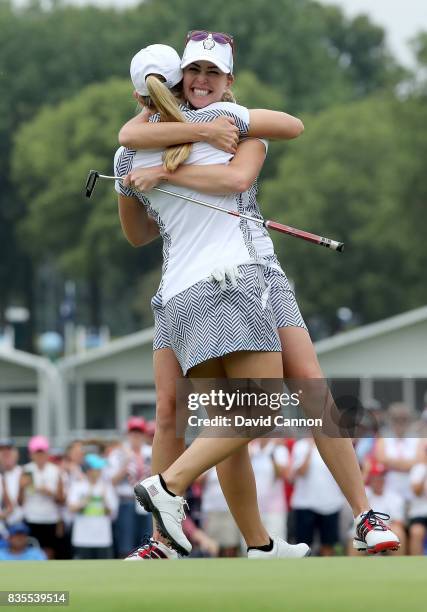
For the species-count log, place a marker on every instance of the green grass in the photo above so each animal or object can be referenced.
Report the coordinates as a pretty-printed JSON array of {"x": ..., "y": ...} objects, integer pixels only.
[{"x": 341, "y": 584}]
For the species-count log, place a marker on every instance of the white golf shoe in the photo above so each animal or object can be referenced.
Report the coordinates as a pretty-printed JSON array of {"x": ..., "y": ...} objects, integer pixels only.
[
  {"x": 373, "y": 535},
  {"x": 168, "y": 510},
  {"x": 281, "y": 550},
  {"x": 152, "y": 550}
]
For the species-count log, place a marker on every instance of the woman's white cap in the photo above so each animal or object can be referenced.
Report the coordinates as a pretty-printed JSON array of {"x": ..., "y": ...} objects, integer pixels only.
[
  {"x": 209, "y": 51},
  {"x": 155, "y": 59}
]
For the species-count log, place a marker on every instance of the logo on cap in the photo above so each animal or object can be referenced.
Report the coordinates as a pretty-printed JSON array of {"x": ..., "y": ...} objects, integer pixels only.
[{"x": 209, "y": 43}]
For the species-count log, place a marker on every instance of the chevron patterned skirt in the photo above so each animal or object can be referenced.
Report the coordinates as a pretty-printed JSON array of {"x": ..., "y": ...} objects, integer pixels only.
[
  {"x": 282, "y": 299},
  {"x": 205, "y": 321}
]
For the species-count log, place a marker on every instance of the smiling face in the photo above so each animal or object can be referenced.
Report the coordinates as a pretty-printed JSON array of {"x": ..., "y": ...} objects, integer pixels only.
[{"x": 204, "y": 84}]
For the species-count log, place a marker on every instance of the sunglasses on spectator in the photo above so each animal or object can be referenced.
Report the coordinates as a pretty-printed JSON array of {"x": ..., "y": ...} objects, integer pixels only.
[{"x": 220, "y": 37}]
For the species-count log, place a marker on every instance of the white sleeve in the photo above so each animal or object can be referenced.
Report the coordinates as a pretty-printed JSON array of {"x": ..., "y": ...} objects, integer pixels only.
[
  {"x": 111, "y": 500},
  {"x": 115, "y": 463},
  {"x": 75, "y": 494},
  {"x": 299, "y": 453},
  {"x": 417, "y": 473},
  {"x": 281, "y": 455}
]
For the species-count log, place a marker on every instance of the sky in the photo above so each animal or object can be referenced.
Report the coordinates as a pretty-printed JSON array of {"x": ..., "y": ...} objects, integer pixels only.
[{"x": 402, "y": 19}]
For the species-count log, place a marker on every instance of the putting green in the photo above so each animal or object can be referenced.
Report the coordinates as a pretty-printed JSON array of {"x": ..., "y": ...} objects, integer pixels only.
[{"x": 342, "y": 584}]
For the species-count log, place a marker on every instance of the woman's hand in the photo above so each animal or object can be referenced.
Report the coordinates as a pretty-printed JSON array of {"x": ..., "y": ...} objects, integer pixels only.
[
  {"x": 223, "y": 134},
  {"x": 144, "y": 179}
]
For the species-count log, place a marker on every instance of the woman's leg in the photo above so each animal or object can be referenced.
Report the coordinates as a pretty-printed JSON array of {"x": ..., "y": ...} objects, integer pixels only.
[
  {"x": 240, "y": 493},
  {"x": 300, "y": 363},
  {"x": 204, "y": 453},
  {"x": 237, "y": 480},
  {"x": 166, "y": 446},
  {"x": 417, "y": 534}
]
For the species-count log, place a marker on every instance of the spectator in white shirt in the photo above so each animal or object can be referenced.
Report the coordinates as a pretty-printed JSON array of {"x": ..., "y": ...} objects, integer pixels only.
[
  {"x": 5, "y": 508},
  {"x": 41, "y": 493},
  {"x": 94, "y": 504},
  {"x": 271, "y": 465},
  {"x": 71, "y": 471},
  {"x": 11, "y": 471},
  {"x": 128, "y": 464},
  {"x": 316, "y": 500},
  {"x": 399, "y": 451},
  {"x": 418, "y": 509}
]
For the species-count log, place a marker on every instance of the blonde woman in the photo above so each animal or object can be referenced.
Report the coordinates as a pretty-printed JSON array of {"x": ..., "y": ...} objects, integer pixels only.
[{"x": 203, "y": 81}]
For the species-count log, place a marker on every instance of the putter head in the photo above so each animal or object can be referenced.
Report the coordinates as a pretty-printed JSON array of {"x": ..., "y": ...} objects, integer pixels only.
[{"x": 91, "y": 182}]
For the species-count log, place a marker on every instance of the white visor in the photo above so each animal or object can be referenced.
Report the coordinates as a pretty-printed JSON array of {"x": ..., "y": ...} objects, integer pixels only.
[{"x": 209, "y": 51}]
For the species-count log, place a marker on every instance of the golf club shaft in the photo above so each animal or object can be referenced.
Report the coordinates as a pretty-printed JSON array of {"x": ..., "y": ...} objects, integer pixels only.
[{"x": 267, "y": 223}]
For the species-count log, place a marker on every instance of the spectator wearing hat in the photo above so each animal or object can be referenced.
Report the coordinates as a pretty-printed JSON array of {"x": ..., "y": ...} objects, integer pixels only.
[
  {"x": 129, "y": 464},
  {"x": 93, "y": 502},
  {"x": 19, "y": 547},
  {"x": 41, "y": 493},
  {"x": 11, "y": 471},
  {"x": 390, "y": 503}
]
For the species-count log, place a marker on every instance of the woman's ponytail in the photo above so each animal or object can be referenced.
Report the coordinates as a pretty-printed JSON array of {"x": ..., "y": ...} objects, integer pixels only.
[{"x": 167, "y": 106}]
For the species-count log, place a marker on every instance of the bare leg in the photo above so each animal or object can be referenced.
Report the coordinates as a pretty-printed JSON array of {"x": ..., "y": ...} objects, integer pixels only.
[
  {"x": 238, "y": 484},
  {"x": 166, "y": 446},
  {"x": 417, "y": 533},
  {"x": 237, "y": 480},
  {"x": 207, "y": 452},
  {"x": 300, "y": 362}
]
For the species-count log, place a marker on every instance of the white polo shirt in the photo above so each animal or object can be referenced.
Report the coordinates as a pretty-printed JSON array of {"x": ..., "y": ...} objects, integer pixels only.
[
  {"x": 197, "y": 239},
  {"x": 38, "y": 507},
  {"x": 316, "y": 490},
  {"x": 92, "y": 527},
  {"x": 270, "y": 489}
]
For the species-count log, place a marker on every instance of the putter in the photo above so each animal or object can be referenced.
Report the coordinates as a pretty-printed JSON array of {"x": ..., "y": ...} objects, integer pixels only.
[{"x": 93, "y": 177}]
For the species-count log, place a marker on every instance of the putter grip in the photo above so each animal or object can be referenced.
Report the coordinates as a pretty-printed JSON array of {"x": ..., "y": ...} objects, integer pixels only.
[{"x": 297, "y": 233}]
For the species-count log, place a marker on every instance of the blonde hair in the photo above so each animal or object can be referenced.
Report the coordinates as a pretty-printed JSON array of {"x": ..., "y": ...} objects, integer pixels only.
[
  {"x": 228, "y": 96},
  {"x": 167, "y": 106}
]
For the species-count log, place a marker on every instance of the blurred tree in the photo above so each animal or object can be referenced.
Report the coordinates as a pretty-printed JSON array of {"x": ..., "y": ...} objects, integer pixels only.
[
  {"x": 351, "y": 178},
  {"x": 54, "y": 152},
  {"x": 305, "y": 55}
]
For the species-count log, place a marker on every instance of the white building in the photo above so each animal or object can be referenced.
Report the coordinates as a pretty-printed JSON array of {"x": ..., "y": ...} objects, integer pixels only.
[
  {"x": 30, "y": 396},
  {"x": 387, "y": 360},
  {"x": 104, "y": 386}
]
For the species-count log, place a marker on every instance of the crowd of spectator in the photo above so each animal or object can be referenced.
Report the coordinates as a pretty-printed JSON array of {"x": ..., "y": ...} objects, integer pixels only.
[{"x": 79, "y": 503}]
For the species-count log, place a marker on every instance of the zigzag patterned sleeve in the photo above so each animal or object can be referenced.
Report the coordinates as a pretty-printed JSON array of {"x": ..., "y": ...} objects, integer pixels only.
[
  {"x": 240, "y": 114},
  {"x": 123, "y": 163}
]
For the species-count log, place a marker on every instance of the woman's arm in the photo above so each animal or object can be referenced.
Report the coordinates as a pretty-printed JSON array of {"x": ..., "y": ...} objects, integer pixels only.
[
  {"x": 220, "y": 133},
  {"x": 138, "y": 227},
  {"x": 138, "y": 134},
  {"x": 274, "y": 125},
  {"x": 236, "y": 177}
]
